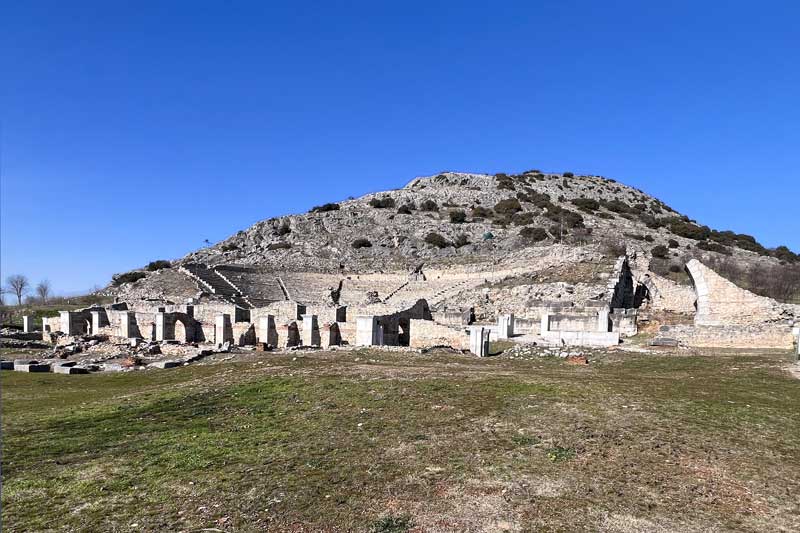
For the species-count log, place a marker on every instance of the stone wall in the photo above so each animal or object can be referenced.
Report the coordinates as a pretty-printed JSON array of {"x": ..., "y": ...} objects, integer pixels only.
[
  {"x": 751, "y": 336},
  {"x": 721, "y": 303},
  {"x": 666, "y": 295},
  {"x": 426, "y": 333}
]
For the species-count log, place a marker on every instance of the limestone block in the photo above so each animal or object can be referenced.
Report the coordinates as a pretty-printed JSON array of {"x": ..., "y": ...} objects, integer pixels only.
[
  {"x": 223, "y": 332},
  {"x": 310, "y": 333}
]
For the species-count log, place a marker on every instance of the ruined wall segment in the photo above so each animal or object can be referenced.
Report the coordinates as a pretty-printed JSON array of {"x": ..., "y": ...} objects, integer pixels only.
[{"x": 721, "y": 303}]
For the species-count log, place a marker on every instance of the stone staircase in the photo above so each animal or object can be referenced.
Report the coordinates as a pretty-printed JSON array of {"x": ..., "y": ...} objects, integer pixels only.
[
  {"x": 395, "y": 291},
  {"x": 215, "y": 283},
  {"x": 451, "y": 290}
]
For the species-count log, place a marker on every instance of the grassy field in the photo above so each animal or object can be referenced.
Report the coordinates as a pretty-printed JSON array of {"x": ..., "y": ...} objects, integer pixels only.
[{"x": 391, "y": 442}]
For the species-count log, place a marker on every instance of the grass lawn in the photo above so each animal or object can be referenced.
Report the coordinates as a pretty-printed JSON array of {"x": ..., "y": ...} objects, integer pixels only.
[{"x": 390, "y": 442}]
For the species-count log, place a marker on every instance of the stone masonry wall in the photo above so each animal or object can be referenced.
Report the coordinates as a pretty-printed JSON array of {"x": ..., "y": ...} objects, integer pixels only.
[
  {"x": 426, "y": 333},
  {"x": 722, "y": 303}
]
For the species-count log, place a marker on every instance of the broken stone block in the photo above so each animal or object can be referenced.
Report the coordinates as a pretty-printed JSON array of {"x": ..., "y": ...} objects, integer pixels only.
[
  {"x": 69, "y": 368},
  {"x": 663, "y": 341},
  {"x": 31, "y": 366},
  {"x": 166, "y": 364}
]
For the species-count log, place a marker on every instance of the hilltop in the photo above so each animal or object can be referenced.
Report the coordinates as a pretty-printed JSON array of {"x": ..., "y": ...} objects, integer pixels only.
[{"x": 460, "y": 218}]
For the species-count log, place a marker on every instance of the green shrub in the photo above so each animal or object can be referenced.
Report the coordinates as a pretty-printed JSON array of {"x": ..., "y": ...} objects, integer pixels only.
[
  {"x": 403, "y": 210},
  {"x": 785, "y": 254},
  {"x": 284, "y": 229},
  {"x": 586, "y": 204},
  {"x": 279, "y": 246},
  {"x": 458, "y": 216},
  {"x": 158, "y": 265},
  {"x": 229, "y": 247},
  {"x": 673, "y": 243},
  {"x": 616, "y": 206},
  {"x": 660, "y": 251},
  {"x": 461, "y": 240},
  {"x": 128, "y": 277},
  {"x": 649, "y": 238},
  {"x": 434, "y": 239},
  {"x": 382, "y": 203},
  {"x": 429, "y": 205},
  {"x": 533, "y": 234},
  {"x": 508, "y": 206},
  {"x": 711, "y": 246},
  {"x": 568, "y": 175},
  {"x": 689, "y": 230},
  {"x": 523, "y": 219},
  {"x": 325, "y": 208},
  {"x": 361, "y": 243},
  {"x": 481, "y": 212}
]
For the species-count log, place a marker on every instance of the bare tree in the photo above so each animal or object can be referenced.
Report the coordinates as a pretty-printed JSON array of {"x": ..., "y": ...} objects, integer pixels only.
[
  {"x": 18, "y": 285},
  {"x": 44, "y": 290}
]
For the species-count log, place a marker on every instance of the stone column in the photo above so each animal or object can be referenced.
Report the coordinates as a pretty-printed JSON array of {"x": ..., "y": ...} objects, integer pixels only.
[
  {"x": 367, "y": 331},
  {"x": 223, "y": 332},
  {"x": 125, "y": 323},
  {"x": 161, "y": 322},
  {"x": 602, "y": 319},
  {"x": 27, "y": 324},
  {"x": 266, "y": 330},
  {"x": 95, "y": 321},
  {"x": 67, "y": 327},
  {"x": 545, "y": 324},
  {"x": 310, "y": 334},
  {"x": 479, "y": 341}
]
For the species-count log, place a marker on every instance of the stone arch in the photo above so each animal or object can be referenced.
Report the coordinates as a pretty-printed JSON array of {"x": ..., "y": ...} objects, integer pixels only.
[
  {"x": 181, "y": 331},
  {"x": 695, "y": 271}
]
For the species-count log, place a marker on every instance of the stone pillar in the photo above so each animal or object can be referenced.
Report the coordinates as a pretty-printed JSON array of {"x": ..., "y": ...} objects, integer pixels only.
[
  {"x": 368, "y": 332},
  {"x": 602, "y": 319},
  {"x": 329, "y": 335},
  {"x": 126, "y": 319},
  {"x": 67, "y": 327},
  {"x": 161, "y": 322},
  {"x": 266, "y": 330},
  {"x": 505, "y": 326},
  {"x": 796, "y": 332},
  {"x": 27, "y": 324},
  {"x": 310, "y": 335},
  {"x": 95, "y": 321},
  {"x": 223, "y": 332},
  {"x": 479, "y": 340},
  {"x": 545, "y": 323}
]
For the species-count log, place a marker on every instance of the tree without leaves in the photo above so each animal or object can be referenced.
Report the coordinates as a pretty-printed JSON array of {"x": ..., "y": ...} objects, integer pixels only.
[
  {"x": 18, "y": 285},
  {"x": 43, "y": 290}
]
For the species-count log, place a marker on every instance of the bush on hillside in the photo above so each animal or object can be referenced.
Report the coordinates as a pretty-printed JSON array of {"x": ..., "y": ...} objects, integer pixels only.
[
  {"x": 533, "y": 234},
  {"x": 361, "y": 243},
  {"x": 508, "y": 206},
  {"x": 382, "y": 203},
  {"x": 660, "y": 251},
  {"x": 128, "y": 277},
  {"x": 458, "y": 216},
  {"x": 325, "y": 208},
  {"x": 158, "y": 265},
  {"x": 434, "y": 239},
  {"x": 429, "y": 205},
  {"x": 586, "y": 204}
]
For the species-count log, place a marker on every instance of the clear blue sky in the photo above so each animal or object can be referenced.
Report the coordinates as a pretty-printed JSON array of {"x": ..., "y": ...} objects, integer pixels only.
[{"x": 131, "y": 131}]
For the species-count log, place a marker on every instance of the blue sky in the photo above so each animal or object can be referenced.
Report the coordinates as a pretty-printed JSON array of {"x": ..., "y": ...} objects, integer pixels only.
[{"x": 132, "y": 131}]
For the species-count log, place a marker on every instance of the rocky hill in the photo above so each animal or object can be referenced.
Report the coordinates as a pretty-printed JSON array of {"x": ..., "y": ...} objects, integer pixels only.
[{"x": 458, "y": 219}]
